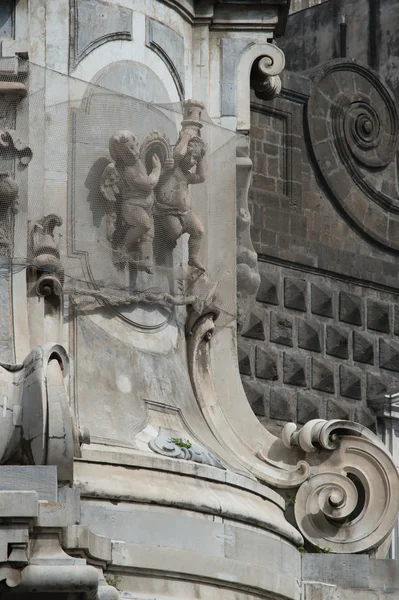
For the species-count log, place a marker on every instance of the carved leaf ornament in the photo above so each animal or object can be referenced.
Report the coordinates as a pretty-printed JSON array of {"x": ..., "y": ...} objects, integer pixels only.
[{"x": 353, "y": 127}]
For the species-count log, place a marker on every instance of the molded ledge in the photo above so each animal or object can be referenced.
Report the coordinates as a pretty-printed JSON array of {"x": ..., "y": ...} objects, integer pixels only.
[{"x": 12, "y": 90}]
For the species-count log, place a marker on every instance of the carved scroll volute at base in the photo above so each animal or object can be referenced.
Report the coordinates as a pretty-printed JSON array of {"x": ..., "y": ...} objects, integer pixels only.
[
  {"x": 46, "y": 256},
  {"x": 350, "y": 501}
]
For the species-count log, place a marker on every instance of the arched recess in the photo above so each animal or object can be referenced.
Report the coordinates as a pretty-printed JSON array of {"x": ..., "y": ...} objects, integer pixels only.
[{"x": 247, "y": 58}]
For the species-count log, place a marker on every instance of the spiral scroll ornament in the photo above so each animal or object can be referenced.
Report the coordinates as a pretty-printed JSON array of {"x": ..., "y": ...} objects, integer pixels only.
[
  {"x": 353, "y": 128},
  {"x": 350, "y": 502}
]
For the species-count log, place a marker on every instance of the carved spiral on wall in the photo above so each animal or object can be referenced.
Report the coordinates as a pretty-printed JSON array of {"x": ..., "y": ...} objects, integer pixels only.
[
  {"x": 350, "y": 501},
  {"x": 353, "y": 128}
]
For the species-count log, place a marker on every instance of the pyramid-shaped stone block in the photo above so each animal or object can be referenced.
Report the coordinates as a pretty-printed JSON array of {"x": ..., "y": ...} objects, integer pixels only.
[
  {"x": 266, "y": 362},
  {"x": 350, "y": 383},
  {"x": 281, "y": 329},
  {"x": 295, "y": 293},
  {"x": 309, "y": 407},
  {"x": 375, "y": 386},
  {"x": 322, "y": 377},
  {"x": 295, "y": 369},
  {"x": 268, "y": 289},
  {"x": 255, "y": 328},
  {"x": 255, "y": 398},
  {"x": 389, "y": 355},
  {"x": 336, "y": 410},
  {"x": 350, "y": 308},
  {"x": 321, "y": 301},
  {"x": 336, "y": 342},
  {"x": 283, "y": 404},
  {"x": 244, "y": 361},
  {"x": 378, "y": 316},
  {"x": 363, "y": 348},
  {"x": 309, "y": 335}
]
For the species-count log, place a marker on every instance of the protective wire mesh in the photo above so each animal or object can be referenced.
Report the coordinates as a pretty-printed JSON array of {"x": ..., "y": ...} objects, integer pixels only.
[{"x": 131, "y": 203}]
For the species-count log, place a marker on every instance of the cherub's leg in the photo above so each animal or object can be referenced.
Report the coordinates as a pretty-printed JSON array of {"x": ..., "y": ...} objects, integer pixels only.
[
  {"x": 138, "y": 239},
  {"x": 168, "y": 231},
  {"x": 193, "y": 226}
]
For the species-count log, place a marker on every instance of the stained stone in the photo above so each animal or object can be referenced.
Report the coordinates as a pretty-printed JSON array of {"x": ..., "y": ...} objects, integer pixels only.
[
  {"x": 244, "y": 361},
  {"x": 322, "y": 377},
  {"x": 350, "y": 308},
  {"x": 309, "y": 335},
  {"x": 281, "y": 329},
  {"x": 389, "y": 355},
  {"x": 363, "y": 348},
  {"x": 321, "y": 301},
  {"x": 396, "y": 321},
  {"x": 378, "y": 316},
  {"x": 268, "y": 289},
  {"x": 295, "y": 369},
  {"x": 255, "y": 329},
  {"x": 295, "y": 293},
  {"x": 337, "y": 411},
  {"x": 266, "y": 364},
  {"x": 336, "y": 342},
  {"x": 283, "y": 404},
  {"x": 308, "y": 407},
  {"x": 349, "y": 383},
  {"x": 255, "y": 398},
  {"x": 375, "y": 386}
]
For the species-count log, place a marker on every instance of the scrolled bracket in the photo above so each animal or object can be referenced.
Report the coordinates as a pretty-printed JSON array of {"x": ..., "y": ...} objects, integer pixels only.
[
  {"x": 265, "y": 80},
  {"x": 46, "y": 256},
  {"x": 350, "y": 502}
]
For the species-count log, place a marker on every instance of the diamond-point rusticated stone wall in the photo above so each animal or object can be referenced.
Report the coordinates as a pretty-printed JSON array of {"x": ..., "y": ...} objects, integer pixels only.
[{"x": 323, "y": 339}]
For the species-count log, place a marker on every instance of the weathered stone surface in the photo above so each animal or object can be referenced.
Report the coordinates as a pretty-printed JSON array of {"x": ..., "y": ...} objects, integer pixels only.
[
  {"x": 396, "y": 319},
  {"x": 309, "y": 335},
  {"x": 309, "y": 407},
  {"x": 322, "y": 376},
  {"x": 337, "y": 410},
  {"x": 389, "y": 355},
  {"x": 295, "y": 370},
  {"x": 295, "y": 293},
  {"x": 281, "y": 329},
  {"x": 347, "y": 570},
  {"x": 244, "y": 362},
  {"x": 321, "y": 301},
  {"x": 169, "y": 46},
  {"x": 350, "y": 308},
  {"x": 254, "y": 395},
  {"x": 375, "y": 386},
  {"x": 283, "y": 404},
  {"x": 255, "y": 329},
  {"x": 266, "y": 364},
  {"x": 336, "y": 342},
  {"x": 350, "y": 383},
  {"x": 363, "y": 348},
  {"x": 378, "y": 316},
  {"x": 268, "y": 289}
]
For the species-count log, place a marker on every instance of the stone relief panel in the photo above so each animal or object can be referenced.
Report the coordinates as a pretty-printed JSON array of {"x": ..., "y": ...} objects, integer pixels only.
[
  {"x": 353, "y": 127},
  {"x": 170, "y": 47},
  {"x": 94, "y": 23}
]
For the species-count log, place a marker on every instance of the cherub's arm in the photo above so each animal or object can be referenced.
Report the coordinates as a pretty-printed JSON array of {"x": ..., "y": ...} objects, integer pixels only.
[
  {"x": 145, "y": 182},
  {"x": 181, "y": 147},
  {"x": 200, "y": 173}
]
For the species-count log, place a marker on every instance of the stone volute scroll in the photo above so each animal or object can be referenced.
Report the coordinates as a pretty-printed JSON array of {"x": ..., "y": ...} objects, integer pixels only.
[
  {"x": 353, "y": 132},
  {"x": 350, "y": 501},
  {"x": 45, "y": 256}
]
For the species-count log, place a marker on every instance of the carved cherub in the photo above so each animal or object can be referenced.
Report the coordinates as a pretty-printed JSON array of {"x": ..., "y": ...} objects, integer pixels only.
[
  {"x": 173, "y": 212},
  {"x": 128, "y": 188}
]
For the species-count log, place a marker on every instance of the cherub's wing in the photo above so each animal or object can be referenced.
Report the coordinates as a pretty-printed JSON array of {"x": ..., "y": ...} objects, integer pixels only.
[{"x": 109, "y": 183}]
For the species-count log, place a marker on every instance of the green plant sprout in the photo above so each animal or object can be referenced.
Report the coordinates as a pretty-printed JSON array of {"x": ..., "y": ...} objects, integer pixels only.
[{"x": 178, "y": 441}]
